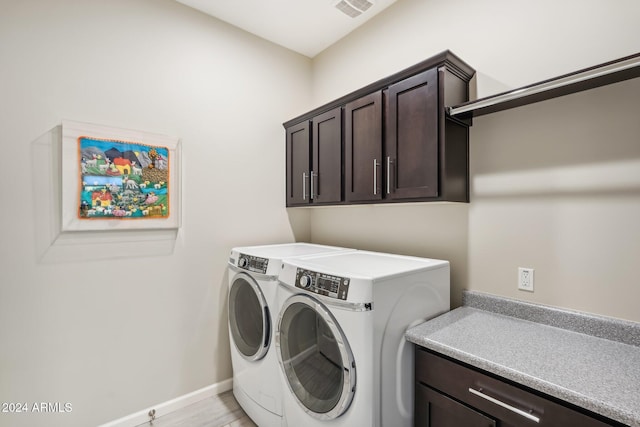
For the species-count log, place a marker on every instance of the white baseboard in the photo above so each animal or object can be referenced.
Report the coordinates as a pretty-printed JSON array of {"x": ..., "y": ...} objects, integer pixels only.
[{"x": 164, "y": 408}]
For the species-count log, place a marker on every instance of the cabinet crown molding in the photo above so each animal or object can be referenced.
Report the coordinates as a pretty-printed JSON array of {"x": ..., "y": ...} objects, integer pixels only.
[{"x": 446, "y": 58}]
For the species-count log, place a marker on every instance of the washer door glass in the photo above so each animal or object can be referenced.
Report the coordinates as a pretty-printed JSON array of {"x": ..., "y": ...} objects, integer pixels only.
[
  {"x": 315, "y": 357},
  {"x": 248, "y": 318}
]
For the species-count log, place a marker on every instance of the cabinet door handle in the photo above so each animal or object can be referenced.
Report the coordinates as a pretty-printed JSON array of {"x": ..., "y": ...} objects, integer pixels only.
[
  {"x": 504, "y": 405},
  {"x": 311, "y": 184},
  {"x": 304, "y": 186},
  {"x": 375, "y": 176},
  {"x": 389, "y": 161}
]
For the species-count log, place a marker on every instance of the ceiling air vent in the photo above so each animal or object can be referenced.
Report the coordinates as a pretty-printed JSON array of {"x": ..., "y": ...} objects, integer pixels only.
[{"x": 353, "y": 8}]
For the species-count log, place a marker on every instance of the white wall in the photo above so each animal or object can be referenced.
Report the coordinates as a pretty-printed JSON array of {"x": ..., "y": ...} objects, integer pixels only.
[
  {"x": 510, "y": 43},
  {"x": 140, "y": 318},
  {"x": 554, "y": 185}
]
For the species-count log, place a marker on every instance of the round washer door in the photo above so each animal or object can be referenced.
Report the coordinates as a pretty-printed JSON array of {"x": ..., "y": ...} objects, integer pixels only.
[
  {"x": 249, "y": 321},
  {"x": 315, "y": 357}
]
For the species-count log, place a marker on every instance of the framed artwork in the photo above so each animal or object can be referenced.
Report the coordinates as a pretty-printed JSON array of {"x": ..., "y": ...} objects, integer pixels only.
[{"x": 118, "y": 179}]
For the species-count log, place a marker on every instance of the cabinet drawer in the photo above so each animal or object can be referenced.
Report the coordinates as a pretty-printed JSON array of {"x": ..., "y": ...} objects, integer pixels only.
[
  {"x": 513, "y": 405},
  {"x": 434, "y": 409}
]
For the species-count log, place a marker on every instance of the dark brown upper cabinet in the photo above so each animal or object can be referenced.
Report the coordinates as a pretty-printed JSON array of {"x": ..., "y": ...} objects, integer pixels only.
[
  {"x": 399, "y": 144},
  {"x": 326, "y": 175},
  {"x": 411, "y": 155},
  {"x": 298, "y": 164},
  {"x": 314, "y": 160},
  {"x": 363, "y": 148},
  {"x": 426, "y": 151}
]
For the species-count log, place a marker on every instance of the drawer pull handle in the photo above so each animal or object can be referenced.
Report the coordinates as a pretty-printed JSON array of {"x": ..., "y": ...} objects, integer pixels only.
[{"x": 505, "y": 405}]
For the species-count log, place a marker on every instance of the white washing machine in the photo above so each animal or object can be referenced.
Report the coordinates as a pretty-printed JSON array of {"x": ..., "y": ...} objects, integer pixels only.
[
  {"x": 340, "y": 335},
  {"x": 253, "y": 281}
]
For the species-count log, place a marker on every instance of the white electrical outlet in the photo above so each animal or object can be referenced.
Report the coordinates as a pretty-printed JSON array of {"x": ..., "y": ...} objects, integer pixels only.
[{"x": 525, "y": 279}]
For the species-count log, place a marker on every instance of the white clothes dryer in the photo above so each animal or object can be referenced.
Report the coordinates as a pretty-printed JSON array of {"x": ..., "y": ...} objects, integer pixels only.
[
  {"x": 253, "y": 274},
  {"x": 340, "y": 335}
]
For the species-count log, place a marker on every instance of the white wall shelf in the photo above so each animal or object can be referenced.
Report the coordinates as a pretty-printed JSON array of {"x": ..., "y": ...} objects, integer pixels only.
[{"x": 589, "y": 78}]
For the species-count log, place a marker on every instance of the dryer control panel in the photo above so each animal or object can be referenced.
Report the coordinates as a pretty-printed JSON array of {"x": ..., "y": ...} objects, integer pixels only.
[
  {"x": 322, "y": 284},
  {"x": 253, "y": 263}
]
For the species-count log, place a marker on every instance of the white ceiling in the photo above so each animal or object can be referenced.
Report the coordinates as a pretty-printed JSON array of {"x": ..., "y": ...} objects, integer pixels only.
[{"x": 304, "y": 26}]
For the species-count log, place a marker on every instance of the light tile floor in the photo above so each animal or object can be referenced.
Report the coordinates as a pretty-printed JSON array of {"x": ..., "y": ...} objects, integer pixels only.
[{"x": 218, "y": 411}]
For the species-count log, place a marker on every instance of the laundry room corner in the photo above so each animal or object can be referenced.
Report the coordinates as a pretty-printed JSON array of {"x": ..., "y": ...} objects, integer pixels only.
[{"x": 300, "y": 221}]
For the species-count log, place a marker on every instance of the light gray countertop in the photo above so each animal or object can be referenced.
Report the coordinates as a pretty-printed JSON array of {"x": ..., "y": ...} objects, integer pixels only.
[{"x": 590, "y": 361}]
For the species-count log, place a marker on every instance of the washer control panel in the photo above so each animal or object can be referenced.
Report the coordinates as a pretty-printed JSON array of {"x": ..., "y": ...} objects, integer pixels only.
[
  {"x": 322, "y": 284},
  {"x": 253, "y": 263}
]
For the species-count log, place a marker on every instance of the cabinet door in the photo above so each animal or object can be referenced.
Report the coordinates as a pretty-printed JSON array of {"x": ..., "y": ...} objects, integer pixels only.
[
  {"x": 412, "y": 137},
  {"x": 298, "y": 164},
  {"x": 363, "y": 148},
  {"x": 437, "y": 410},
  {"x": 326, "y": 174}
]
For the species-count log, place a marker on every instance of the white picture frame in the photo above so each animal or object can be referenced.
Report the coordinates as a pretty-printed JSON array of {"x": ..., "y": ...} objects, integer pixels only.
[{"x": 77, "y": 212}]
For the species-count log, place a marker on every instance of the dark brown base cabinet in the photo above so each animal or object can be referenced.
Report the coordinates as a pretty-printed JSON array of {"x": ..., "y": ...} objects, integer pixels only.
[
  {"x": 390, "y": 141},
  {"x": 450, "y": 394}
]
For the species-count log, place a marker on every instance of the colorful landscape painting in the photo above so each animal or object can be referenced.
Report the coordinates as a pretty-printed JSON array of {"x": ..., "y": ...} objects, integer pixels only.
[{"x": 122, "y": 180}]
